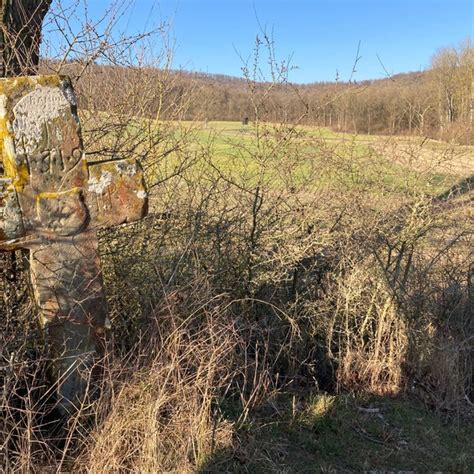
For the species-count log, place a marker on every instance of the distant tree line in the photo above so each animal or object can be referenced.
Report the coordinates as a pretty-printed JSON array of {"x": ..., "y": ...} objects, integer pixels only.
[{"x": 438, "y": 102}]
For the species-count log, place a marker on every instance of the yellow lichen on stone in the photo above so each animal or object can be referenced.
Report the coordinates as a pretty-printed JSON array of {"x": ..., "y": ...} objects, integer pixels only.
[
  {"x": 70, "y": 192},
  {"x": 7, "y": 147},
  {"x": 14, "y": 85},
  {"x": 18, "y": 172}
]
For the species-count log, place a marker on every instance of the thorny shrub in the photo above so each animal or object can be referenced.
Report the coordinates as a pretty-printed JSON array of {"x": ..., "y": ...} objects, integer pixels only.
[{"x": 274, "y": 260}]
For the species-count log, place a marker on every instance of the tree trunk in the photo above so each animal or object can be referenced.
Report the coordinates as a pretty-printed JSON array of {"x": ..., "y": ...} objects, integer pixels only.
[
  {"x": 20, "y": 35},
  {"x": 471, "y": 112}
]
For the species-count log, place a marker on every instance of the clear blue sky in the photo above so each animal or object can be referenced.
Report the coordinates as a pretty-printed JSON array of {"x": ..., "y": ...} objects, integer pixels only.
[{"x": 322, "y": 35}]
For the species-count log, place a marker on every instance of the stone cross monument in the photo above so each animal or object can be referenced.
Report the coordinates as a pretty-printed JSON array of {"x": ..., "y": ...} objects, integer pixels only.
[{"x": 52, "y": 203}]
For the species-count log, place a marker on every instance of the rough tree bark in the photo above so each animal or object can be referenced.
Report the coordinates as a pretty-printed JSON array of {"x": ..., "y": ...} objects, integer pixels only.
[{"x": 20, "y": 35}]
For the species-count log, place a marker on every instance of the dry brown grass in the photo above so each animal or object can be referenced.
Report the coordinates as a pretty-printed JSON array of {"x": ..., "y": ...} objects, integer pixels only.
[{"x": 161, "y": 416}]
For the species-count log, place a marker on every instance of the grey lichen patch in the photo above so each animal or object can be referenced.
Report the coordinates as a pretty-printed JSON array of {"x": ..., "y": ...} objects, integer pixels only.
[
  {"x": 68, "y": 92},
  {"x": 99, "y": 184},
  {"x": 127, "y": 168},
  {"x": 11, "y": 223},
  {"x": 33, "y": 112}
]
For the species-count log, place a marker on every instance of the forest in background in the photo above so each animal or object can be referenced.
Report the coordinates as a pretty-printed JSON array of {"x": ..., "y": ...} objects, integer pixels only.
[{"x": 438, "y": 102}]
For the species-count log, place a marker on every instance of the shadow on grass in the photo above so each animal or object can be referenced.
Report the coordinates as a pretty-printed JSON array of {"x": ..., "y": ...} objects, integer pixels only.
[
  {"x": 347, "y": 434},
  {"x": 464, "y": 186}
]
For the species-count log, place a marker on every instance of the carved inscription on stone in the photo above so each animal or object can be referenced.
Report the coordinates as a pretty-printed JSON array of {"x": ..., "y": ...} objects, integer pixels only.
[
  {"x": 52, "y": 162},
  {"x": 34, "y": 114},
  {"x": 46, "y": 136}
]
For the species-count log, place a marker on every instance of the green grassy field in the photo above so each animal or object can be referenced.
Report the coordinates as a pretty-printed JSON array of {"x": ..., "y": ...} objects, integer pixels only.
[
  {"x": 332, "y": 160},
  {"x": 277, "y": 154}
]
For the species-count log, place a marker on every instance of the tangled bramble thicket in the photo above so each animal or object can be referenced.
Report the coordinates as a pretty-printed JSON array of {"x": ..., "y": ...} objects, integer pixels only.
[{"x": 276, "y": 258}]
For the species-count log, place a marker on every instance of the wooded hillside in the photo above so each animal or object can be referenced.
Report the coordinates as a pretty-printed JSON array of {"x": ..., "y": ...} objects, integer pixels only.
[{"x": 438, "y": 102}]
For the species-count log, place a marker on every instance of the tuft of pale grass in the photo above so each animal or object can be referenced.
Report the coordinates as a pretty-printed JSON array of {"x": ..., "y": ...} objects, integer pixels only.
[{"x": 161, "y": 417}]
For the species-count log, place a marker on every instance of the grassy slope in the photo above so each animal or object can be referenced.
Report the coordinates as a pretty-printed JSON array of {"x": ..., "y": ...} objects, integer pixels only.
[
  {"x": 374, "y": 162},
  {"x": 347, "y": 434}
]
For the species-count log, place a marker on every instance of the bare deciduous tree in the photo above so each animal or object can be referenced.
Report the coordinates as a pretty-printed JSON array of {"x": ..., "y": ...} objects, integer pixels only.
[{"x": 20, "y": 35}]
